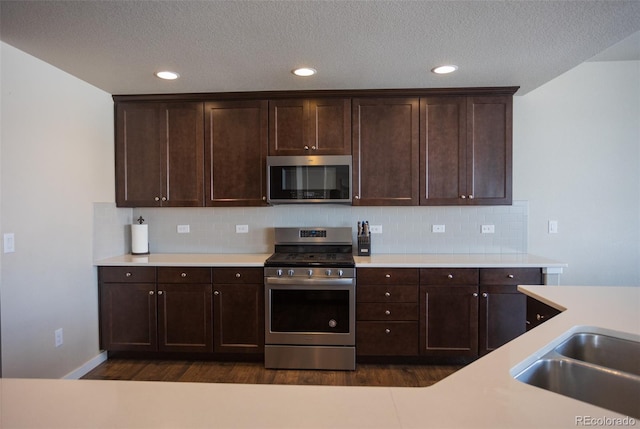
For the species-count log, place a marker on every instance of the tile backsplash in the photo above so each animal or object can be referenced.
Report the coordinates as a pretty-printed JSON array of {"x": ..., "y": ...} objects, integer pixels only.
[{"x": 404, "y": 229}]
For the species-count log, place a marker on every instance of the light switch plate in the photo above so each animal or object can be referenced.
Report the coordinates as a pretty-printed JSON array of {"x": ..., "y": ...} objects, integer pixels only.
[
  {"x": 9, "y": 242},
  {"x": 375, "y": 229},
  {"x": 488, "y": 229},
  {"x": 553, "y": 227},
  {"x": 183, "y": 229},
  {"x": 242, "y": 229},
  {"x": 437, "y": 228}
]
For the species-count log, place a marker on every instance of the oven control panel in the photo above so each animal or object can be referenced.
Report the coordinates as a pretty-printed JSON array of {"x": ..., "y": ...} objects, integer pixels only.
[{"x": 316, "y": 272}]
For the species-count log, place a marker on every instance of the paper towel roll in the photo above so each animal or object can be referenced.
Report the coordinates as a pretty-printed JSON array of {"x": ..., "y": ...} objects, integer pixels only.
[{"x": 139, "y": 239}]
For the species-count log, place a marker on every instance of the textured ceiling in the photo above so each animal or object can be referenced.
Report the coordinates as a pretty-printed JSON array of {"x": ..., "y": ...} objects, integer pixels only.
[{"x": 220, "y": 46}]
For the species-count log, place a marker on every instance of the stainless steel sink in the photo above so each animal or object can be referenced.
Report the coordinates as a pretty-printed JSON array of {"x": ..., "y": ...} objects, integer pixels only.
[
  {"x": 603, "y": 350},
  {"x": 602, "y": 370}
]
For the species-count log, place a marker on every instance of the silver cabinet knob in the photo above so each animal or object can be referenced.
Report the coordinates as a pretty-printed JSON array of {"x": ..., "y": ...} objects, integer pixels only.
[
  {"x": 127, "y": 274},
  {"x": 159, "y": 292},
  {"x": 264, "y": 198},
  {"x": 387, "y": 331},
  {"x": 157, "y": 198},
  {"x": 238, "y": 275},
  {"x": 387, "y": 312},
  {"x": 150, "y": 292},
  {"x": 183, "y": 275},
  {"x": 449, "y": 276},
  {"x": 313, "y": 148},
  {"x": 475, "y": 294},
  {"x": 510, "y": 276},
  {"x": 357, "y": 197},
  {"x": 484, "y": 295},
  {"x": 470, "y": 197},
  {"x": 387, "y": 294},
  {"x": 216, "y": 293},
  {"x": 388, "y": 276},
  {"x": 463, "y": 197},
  {"x": 306, "y": 147}
]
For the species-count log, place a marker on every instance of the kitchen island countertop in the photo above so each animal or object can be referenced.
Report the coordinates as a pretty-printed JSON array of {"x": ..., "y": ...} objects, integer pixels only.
[{"x": 480, "y": 395}]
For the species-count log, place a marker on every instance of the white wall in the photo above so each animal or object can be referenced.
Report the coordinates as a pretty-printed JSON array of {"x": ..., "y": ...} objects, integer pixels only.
[
  {"x": 577, "y": 160},
  {"x": 57, "y": 159}
]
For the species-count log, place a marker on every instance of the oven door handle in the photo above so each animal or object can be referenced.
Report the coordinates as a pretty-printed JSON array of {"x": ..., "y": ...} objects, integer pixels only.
[{"x": 308, "y": 282}]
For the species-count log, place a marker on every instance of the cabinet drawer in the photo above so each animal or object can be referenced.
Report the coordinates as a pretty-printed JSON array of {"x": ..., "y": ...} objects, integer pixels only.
[
  {"x": 386, "y": 276},
  {"x": 184, "y": 275},
  {"x": 386, "y": 311},
  {"x": 238, "y": 275},
  {"x": 387, "y": 293},
  {"x": 128, "y": 274},
  {"x": 449, "y": 276},
  {"x": 511, "y": 276},
  {"x": 387, "y": 338}
]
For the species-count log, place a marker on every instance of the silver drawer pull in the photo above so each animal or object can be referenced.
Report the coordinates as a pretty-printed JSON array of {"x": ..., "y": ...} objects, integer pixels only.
[
  {"x": 183, "y": 275},
  {"x": 216, "y": 293},
  {"x": 387, "y": 294},
  {"x": 449, "y": 276},
  {"x": 159, "y": 292},
  {"x": 127, "y": 274},
  {"x": 388, "y": 276},
  {"x": 387, "y": 312},
  {"x": 237, "y": 275},
  {"x": 150, "y": 292},
  {"x": 387, "y": 331},
  {"x": 510, "y": 276}
]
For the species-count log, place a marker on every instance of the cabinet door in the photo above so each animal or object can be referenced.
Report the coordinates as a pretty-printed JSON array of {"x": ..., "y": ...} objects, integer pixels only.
[
  {"x": 449, "y": 320},
  {"x": 182, "y": 149},
  {"x": 159, "y": 153},
  {"x": 385, "y": 151},
  {"x": 128, "y": 317},
  {"x": 443, "y": 137},
  {"x": 235, "y": 153},
  {"x": 502, "y": 316},
  {"x": 287, "y": 127},
  {"x": 489, "y": 150},
  {"x": 138, "y": 154},
  {"x": 329, "y": 126},
  {"x": 185, "y": 317},
  {"x": 239, "y": 318}
]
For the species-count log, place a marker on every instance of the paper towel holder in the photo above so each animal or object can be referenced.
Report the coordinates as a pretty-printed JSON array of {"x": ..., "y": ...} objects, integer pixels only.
[{"x": 139, "y": 238}]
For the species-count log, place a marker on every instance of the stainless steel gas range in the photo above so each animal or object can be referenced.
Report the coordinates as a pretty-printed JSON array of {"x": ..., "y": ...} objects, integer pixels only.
[{"x": 310, "y": 300}]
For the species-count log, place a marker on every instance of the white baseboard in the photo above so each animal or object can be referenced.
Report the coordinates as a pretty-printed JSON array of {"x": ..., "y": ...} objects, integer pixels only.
[{"x": 77, "y": 373}]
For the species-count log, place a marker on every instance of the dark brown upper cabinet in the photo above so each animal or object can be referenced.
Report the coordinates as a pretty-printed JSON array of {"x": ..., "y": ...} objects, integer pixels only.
[
  {"x": 159, "y": 154},
  {"x": 310, "y": 126},
  {"x": 385, "y": 151},
  {"x": 466, "y": 150},
  {"x": 236, "y": 152}
]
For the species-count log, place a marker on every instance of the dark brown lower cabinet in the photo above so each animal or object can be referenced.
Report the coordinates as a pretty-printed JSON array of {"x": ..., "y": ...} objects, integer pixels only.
[
  {"x": 173, "y": 315},
  {"x": 238, "y": 308},
  {"x": 502, "y": 316},
  {"x": 538, "y": 312}
]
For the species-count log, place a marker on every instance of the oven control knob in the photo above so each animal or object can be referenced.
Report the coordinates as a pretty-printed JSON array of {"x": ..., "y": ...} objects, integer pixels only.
[
  {"x": 279, "y": 273},
  {"x": 291, "y": 272},
  {"x": 310, "y": 272},
  {"x": 328, "y": 273},
  {"x": 340, "y": 273}
]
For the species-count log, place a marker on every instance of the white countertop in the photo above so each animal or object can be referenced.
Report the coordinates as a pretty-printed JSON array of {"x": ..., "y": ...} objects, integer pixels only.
[
  {"x": 481, "y": 395},
  {"x": 381, "y": 260}
]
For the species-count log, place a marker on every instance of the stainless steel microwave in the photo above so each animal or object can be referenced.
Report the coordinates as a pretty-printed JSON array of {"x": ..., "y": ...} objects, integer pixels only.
[{"x": 309, "y": 179}]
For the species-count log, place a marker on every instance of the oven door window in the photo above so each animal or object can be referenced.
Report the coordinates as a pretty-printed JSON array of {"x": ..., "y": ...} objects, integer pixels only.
[
  {"x": 310, "y": 311},
  {"x": 316, "y": 182}
]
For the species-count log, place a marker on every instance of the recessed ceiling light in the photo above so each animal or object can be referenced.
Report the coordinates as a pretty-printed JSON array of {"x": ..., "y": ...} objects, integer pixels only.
[
  {"x": 167, "y": 75},
  {"x": 445, "y": 69},
  {"x": 304, "y": 71}
]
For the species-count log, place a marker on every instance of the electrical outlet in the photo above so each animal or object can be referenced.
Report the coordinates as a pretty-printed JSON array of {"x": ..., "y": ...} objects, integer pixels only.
[
  {"x": 242, "y": 229},
  {"x": 488, "y": 229},
  {"x": 437, "y": 228},
  {"x": 375, "y": 229},
  {"x": 553, "y": 227},
  {"x": 58, "y": 337},
  {"x": 9, "y": 243},
  {"x": 183, "y": 229}
]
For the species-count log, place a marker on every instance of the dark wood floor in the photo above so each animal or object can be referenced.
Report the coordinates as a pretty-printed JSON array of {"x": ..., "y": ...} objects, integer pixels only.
[{"x": 255, "y": 373}]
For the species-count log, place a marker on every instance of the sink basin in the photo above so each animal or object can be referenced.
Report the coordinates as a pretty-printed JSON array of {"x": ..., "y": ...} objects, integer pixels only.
[
  {"x": 600, "y": 369},
  {"x": 607, "y": 389},
  {"x": 603, "y": 350}
]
